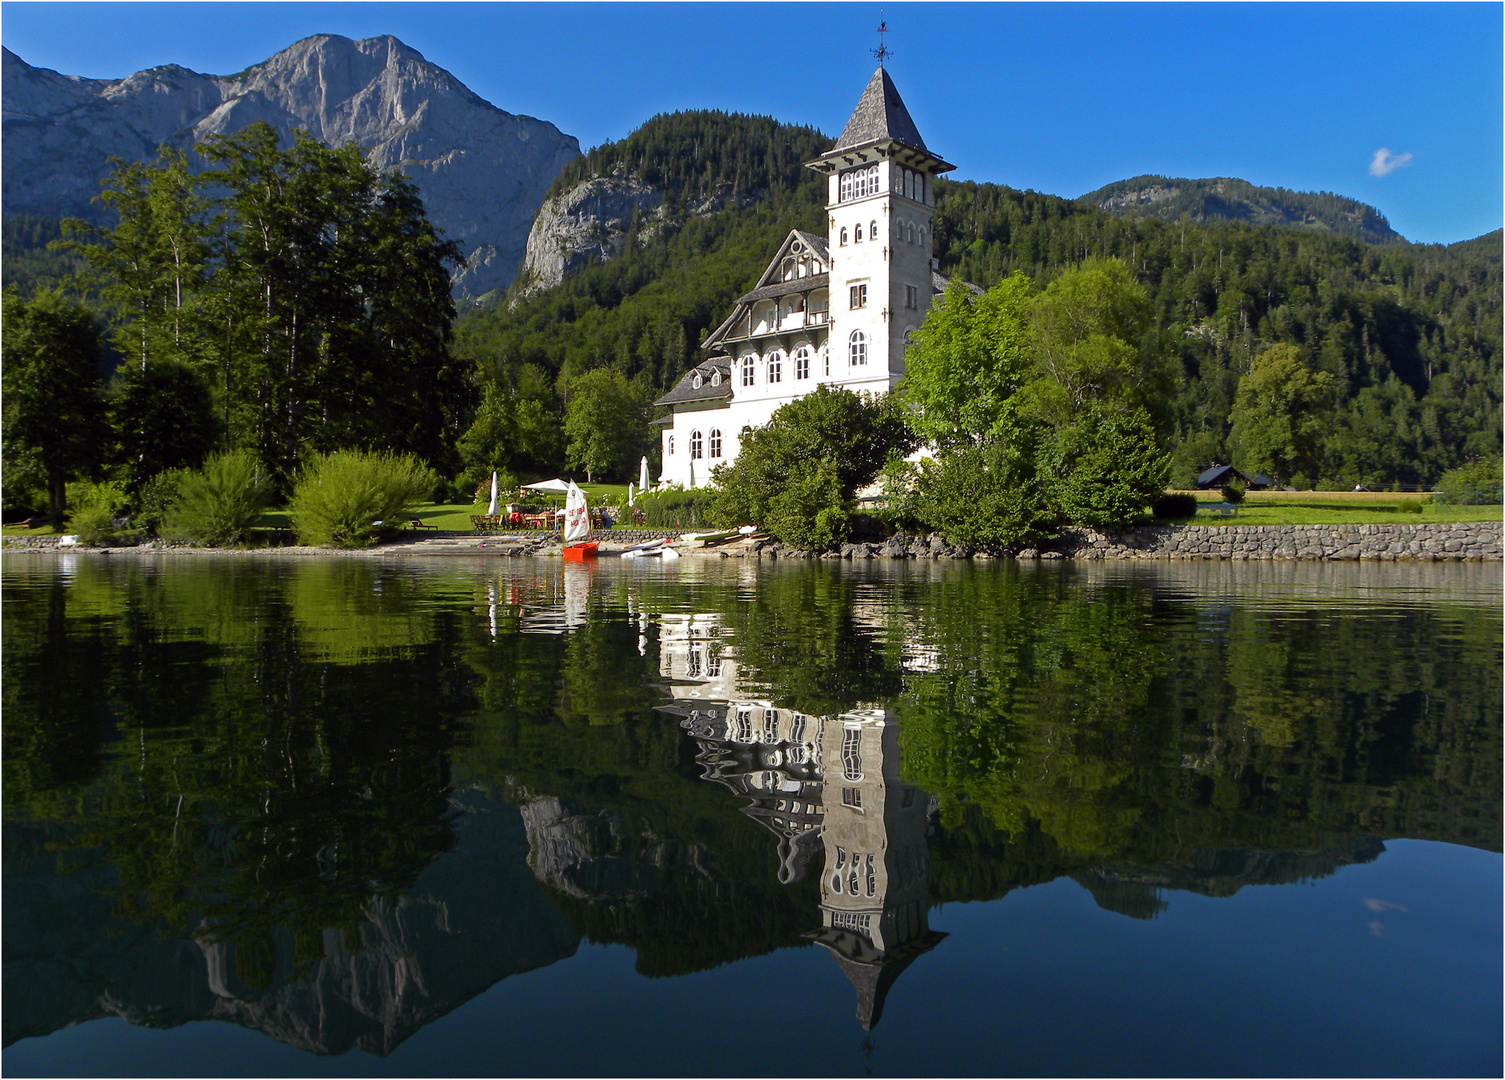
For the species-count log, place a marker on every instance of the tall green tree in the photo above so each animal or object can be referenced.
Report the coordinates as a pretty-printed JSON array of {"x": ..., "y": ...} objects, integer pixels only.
[
  {"x": 152, "y": 264},
  {"x": 1282, "y": 415},
  {"x": 606, "y": 422},
  {"x": 54, "y": 413}
]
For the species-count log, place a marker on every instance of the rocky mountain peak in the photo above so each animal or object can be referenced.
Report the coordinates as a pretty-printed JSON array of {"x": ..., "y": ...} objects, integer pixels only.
[{"x": 482, "y": 172}]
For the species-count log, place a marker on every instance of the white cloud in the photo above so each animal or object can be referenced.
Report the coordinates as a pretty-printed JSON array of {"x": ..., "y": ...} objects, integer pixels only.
[{"x": 1385, "y": 162}]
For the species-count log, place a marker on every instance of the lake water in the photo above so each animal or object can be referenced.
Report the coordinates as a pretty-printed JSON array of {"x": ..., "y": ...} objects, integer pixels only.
[{"x": 467, "y": 816}]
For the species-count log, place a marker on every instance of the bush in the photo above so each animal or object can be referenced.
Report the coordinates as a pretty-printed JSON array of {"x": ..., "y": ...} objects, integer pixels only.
[
  {"x": 97, "y": 508},
  {"x": 676, "y": 508},
  {"x": 93, "y": 525},
  {"x": 1175, "y": 507},
  {"x": 1411, "y": 506},
  {"x": 219, "y": 504},
  {"x": 1474, "y": 484},
  {"x": 985, "y": 496},
  {"x": 809, "y": 513},
  {"x": 349, "y": 498},
  {"x": 1233, "y": 493},
  {"x": 154, "y": 500}
]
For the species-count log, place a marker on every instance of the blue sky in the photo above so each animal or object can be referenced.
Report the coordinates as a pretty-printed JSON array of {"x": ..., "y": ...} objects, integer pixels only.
[{"x": 1396, "y": 104}]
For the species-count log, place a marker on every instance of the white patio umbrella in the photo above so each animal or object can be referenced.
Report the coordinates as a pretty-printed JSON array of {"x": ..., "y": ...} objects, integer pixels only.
[
  {"x": 631, "y": 493},
  {"x": 491, "y": 510},
  {"x": 556, "y": 486},
  {"x": 643, "y": 474}
]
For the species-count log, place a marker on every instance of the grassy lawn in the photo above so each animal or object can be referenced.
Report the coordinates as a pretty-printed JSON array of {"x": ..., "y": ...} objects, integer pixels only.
[
  {"x": 1258, "y": 508},
  {"x": 1340, "y": 508}
]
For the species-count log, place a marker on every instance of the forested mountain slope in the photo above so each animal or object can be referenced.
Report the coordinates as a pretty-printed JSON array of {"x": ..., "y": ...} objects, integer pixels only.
[
  {"x": 1412, "y": 332},
  {"x": 1225, "y": 198}
]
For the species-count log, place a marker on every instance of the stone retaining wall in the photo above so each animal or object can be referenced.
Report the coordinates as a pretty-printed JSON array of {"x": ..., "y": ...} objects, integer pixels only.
[{"x": 1473, "y": 541}]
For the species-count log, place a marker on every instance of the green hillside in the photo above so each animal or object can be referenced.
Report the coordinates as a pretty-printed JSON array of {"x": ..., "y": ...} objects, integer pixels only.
[{"x": 1228, "y": 199}]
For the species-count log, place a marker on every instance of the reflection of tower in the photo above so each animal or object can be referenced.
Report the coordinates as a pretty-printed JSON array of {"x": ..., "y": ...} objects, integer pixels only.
[
  {"x": 768, "y": 756},
  {"x": 874, "y": 890}
]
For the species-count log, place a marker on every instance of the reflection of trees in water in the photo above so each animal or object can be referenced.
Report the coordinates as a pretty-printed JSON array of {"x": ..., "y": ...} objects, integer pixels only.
[{"x": 251, "y": 751}]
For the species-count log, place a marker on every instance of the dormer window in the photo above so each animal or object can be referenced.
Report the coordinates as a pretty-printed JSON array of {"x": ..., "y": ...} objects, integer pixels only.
[
  {"x": 696, "y": 381},
  {"x": 716, "y": 377}
]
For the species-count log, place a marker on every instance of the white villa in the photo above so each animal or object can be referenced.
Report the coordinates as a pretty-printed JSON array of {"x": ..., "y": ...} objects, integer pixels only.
[{"x": 834, "y": 309}]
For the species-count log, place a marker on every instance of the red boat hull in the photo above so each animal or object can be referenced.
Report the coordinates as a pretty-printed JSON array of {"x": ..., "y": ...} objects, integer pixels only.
[{"x": 581, "y": 552}]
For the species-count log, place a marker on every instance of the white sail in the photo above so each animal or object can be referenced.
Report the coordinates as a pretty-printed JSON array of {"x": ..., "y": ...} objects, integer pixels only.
[{"x": 577, "y": 515}]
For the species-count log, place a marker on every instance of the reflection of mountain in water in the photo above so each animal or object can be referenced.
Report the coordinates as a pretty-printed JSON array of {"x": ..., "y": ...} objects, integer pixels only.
[
  {"x": 473, "y": 917},
  {"x": 1135, "y": 890}
]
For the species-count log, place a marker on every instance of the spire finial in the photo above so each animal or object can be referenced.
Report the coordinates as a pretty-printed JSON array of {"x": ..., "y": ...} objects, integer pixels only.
[{"x": 882, "y": 52}]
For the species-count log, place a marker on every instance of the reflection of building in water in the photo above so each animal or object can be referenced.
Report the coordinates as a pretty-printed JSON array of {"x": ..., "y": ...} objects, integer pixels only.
[
  {"x": 874, "y": 893},
  {"x": 691, "y": 658},
  {"x": 831, "y": 783}
]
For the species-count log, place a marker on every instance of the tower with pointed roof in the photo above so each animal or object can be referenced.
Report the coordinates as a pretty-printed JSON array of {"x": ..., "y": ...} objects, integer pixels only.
[
  {"x": 879, "y": 206},
  {"x": 833, "y": 310}
]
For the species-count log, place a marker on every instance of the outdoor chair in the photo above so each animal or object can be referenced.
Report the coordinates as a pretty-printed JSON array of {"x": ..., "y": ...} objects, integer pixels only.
[{"x": 417, "y": 524}]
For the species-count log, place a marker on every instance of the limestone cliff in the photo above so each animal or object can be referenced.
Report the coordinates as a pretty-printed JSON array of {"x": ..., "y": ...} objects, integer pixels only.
[
  {"x": 585, "y": 225},
  {"x": 482, "y": 172}
]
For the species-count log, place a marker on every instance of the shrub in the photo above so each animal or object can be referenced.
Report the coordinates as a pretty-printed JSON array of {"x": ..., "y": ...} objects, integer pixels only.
[
  {"x": 985, "y": 496},
  {"x": 154, "y": 500},
  {"x": 349, "y": 498},
  {"x": 675, "y": 508},
  {"x": 1175, "y": 507},
  {"x": 219, "y": 504},
  {"x": 1474, "y": 484},
  {"x": 1411, "y": 506},
  {"x": 97, "y": 508},
  {"x": 809, "y": 512},
  {"x": 93, "y": 525},
  {"x": 1233, "y": 493}
]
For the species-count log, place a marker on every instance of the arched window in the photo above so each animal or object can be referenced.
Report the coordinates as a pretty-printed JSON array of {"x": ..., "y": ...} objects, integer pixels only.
[
  {"x": 922, "y": 236},
  {"x": 911, "y": 232},
  {"x": 846, "y": 187},
  {"x": 788, "y": 269},
  {"x": 919, "y": 187},
  {"x": 715, "y": 442},
  {"x": 856, "y": 350},
  {"x": 749, "y": 371},
  {"x": 695, "y": 445},
  {"x": 825, "y": 360},
  {"x": 775, "y": 367},
  {"x": 872, "y": 231},
  {"x": 696, "y": 381},
  {"x": 716, "y": 377},
  {"x": 858, "y": 238},
  {"x": 908, "y": 184},
  {"x": 843, "y": 236},
  {"x": 671, "y": 445},
  {"x": 802, "y": 362},
  {"x": 872, "y": 179}
]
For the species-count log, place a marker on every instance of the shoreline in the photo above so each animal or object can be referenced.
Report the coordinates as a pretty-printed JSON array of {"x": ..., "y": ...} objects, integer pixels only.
[{"x": 1409, "y": 542}]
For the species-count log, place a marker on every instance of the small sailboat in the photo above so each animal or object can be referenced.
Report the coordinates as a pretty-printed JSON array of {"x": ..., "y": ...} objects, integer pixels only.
[{"x": 578, "y": 546}]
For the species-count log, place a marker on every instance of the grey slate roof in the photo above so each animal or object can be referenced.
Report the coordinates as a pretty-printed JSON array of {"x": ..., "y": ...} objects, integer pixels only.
[
  {"x": 1220, "y": 474},
  {"x": 686, "y": 390},
  {"x": 880, "y": 116},
  {"x": 787, "y": 288}
]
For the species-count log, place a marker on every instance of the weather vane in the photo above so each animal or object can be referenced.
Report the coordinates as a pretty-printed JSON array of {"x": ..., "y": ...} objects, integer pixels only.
[{"x": 882, "y": 52}]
